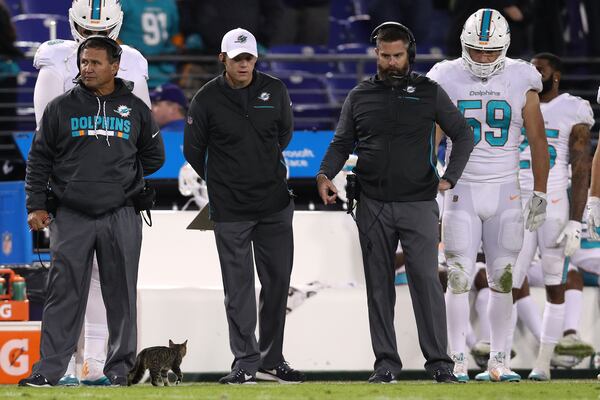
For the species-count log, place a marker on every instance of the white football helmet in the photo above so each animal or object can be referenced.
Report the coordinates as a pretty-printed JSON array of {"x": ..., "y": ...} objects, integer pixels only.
[
  {"x": 96, "y": 15},
  {"x": 486, "y": 30}
]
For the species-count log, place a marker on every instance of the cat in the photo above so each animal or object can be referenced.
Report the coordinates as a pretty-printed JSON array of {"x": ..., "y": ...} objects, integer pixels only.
[{"x": 159, "y": 360}]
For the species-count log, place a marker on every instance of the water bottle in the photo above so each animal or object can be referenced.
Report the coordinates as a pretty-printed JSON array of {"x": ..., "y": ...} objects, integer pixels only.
[{"x": 18, "y": 288}]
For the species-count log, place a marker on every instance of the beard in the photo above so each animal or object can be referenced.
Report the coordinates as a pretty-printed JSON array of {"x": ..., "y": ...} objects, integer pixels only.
[
  {"x": 391, "y": 74},
  {"x": 546, "y": 85}
]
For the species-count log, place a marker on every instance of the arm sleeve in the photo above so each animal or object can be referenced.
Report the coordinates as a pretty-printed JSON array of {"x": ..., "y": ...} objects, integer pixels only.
[
  {"x": 195, "y": 138},
  {"x": 434, "y": 72},
  {"x": 533, "y": 80},
  {"x": 585, "y": 115},
  {"x": 39, "y": 161},
  {"x": 140, "y": 89},
  {"x": 285, "y": 124},
  {"x": 151, "y": 150},
  {"x": 342, "y": 144},
  {"x": 48, "y": 86},
  {"x": 455, "y": 126}
]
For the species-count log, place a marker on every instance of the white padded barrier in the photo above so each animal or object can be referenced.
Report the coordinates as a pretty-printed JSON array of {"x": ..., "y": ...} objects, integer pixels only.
[{"x": 180, "y": 297}]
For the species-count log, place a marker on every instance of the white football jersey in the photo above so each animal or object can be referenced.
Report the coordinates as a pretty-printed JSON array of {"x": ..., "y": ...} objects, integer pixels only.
[
  {"x": 493, "y": 108},
  {"x": 60, "y": 57},
  {"x": 561, "y": 114}
]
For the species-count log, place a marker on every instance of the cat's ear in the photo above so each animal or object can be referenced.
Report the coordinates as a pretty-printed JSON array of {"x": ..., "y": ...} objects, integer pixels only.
[
  {"x": 171, "y": 343},
  {"x": 184, "y": 343}
]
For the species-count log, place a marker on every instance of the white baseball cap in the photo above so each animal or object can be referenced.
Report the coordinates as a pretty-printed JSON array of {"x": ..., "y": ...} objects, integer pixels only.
[{"x": 238, "y": 41}]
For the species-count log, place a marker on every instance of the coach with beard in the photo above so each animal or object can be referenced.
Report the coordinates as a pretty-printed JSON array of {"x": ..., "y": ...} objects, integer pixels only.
[{"x": 389, "y": 122}]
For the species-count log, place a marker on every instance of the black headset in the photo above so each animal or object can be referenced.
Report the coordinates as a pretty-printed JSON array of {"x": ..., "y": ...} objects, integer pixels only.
[
  {"x": 412, "y": 44},
  {"x": 115, "y": 49}
]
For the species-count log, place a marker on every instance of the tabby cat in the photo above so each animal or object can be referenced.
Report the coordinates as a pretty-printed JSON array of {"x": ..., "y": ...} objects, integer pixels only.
[{"x": 159, "y": 360}]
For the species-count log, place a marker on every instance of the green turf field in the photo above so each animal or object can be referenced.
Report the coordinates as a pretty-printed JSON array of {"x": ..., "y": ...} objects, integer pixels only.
[{"x": 558, "y": 389}]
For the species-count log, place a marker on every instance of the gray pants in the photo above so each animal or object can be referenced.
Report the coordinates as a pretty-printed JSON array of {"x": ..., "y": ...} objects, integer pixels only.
[
  {"x": 415, "y": 224},
  {"x": 116, "y": 237},
  {"x": 273, "y": 242}
]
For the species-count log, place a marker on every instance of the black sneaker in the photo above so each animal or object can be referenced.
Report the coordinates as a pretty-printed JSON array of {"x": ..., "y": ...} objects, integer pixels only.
[
  {"x": 382, "y": 376},
  {"x": 444, "y": 375},
  {"x": 116, "y": 380},
  {"x": 35, "y": 380},
  {"x": 238, "y": 376},
  {"x": 282, "y": 373}
]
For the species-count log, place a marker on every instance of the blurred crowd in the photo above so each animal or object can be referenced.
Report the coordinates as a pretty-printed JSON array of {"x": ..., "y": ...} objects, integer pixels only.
[{"x": 563, "y": 27}]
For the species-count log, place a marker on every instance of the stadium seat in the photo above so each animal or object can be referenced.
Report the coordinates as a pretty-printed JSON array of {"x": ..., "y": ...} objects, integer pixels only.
[
  {"x": 35, "y": 29},
  {"x": 342, "y": 9},
  {"x": 301, "y": 51},
  {"x": 305, "y": 88},
  {"x": 59, "y": 7},
  {"x": 359, "y": 29},
  {"x": 339, "y": 86},
  {"x": 338, "y": 31},
  {"x": 369, "y": 67},
  {"x": 25, "y": 85},
  {"x": 311, "y": 101},
  {"x": 14, "y": 6},
  {"x": 315, "y": 117}
]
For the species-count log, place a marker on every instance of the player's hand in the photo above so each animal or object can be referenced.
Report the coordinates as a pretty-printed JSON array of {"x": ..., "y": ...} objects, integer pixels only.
[
  {"x": 38, "y": 220},
  {"x": 535, "y": 211},
  {"x": 444, "y": 185},
  {"x": 325, "y": 186},
  {"x": 571, "y": 234},
  {"x": 593, "y": 217}
]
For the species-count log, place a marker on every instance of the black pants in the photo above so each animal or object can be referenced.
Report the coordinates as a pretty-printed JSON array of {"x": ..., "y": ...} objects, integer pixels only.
[
  {"x": 273, "y": 243},
  {"x": 415, "y": 224},
  {"x": 116, "y": 237}
]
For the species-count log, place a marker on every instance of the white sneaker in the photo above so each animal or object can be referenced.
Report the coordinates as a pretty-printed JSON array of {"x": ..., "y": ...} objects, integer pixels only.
[
  {"x": 498, "y": 370},
  {"x": 572, "y": 345},
  {"x": 539, "y": 375},
  {"x": 564, "y": 361},
  {"x": 460, "y": 367}
]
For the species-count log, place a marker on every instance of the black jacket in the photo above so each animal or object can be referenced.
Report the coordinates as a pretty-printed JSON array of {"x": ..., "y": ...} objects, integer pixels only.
[
  {"x": 392, "y": 131},
  {"x": 88, "y": 170},
  {"x": 234, "y": 139}
]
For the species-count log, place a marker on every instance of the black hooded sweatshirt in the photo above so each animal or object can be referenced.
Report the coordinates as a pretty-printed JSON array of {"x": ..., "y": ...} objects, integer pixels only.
[{"x": 93, "y": 151}]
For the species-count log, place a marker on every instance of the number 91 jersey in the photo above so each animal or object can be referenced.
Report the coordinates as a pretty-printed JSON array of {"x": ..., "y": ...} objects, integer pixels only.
[
  {"x": 561, "y": 114},
  {"x": 493, "y": 108}
]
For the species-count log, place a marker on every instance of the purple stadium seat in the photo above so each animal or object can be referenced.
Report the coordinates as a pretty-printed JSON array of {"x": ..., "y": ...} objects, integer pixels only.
[
  {"x": 338, "y": 31},
  {"x": 301, "y": 50},
  {"x": 342, "y": 9},
  {"x": 25, "y": 86},
  {"x": 311, "y": 101},
  {"x": 34, "y": 29},
  {"x": 59, "y": 7},
  {"x": 339, "y": 86},
  {"x": 315, "y": 117},
  {"x": 14, "y": 6},
  {"x": 359, "y": 29},
  {"x": 305, "y": 88},
  {"x": 351, "y": 67}
]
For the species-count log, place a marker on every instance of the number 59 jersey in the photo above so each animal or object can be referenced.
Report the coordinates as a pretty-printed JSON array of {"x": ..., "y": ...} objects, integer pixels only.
[
  {"x": 561, "y": 114},
  {"x": 494, "y": 109}
]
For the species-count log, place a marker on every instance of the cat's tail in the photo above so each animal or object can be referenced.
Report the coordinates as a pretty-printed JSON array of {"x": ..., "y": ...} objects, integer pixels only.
[{"x": 137, "y": 372}]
